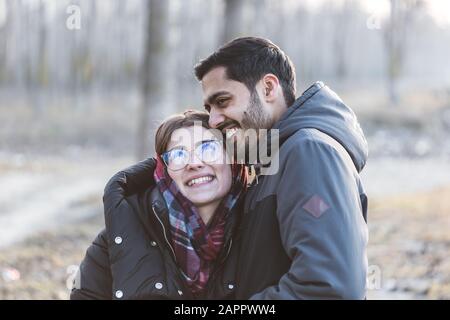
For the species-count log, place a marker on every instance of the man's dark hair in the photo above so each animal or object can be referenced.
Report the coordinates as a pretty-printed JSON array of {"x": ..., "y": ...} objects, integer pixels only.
[{"x": 247, "y": 60}]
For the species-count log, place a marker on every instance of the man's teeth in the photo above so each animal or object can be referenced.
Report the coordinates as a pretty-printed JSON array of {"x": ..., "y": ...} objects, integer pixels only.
[
  {"x": 231, "y": 132},
  {"x": 199, "y": 180}
]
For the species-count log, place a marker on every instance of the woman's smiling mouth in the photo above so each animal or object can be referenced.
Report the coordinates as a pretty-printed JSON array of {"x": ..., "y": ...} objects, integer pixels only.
[{"x": 200, "y": 181}]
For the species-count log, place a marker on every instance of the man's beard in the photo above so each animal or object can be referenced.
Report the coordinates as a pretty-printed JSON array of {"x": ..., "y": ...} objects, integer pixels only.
[{"x": 255, "y": 117}]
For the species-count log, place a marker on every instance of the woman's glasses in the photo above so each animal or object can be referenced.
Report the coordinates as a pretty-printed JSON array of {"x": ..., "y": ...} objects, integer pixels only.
[{"x": 208, "y": 152}]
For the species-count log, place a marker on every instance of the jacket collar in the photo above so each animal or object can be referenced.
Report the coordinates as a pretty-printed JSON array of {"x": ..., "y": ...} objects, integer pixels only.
[{"x": 157, "y": 206}]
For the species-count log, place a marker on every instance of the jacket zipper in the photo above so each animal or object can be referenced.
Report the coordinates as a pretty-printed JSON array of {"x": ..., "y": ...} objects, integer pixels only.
[
  {"x": 171, "y": 248},
  {"x": 164, "y": 232}
]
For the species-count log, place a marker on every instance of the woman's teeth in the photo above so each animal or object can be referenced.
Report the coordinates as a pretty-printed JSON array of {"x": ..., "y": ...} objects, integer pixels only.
[{"x": 199, "y": 180}]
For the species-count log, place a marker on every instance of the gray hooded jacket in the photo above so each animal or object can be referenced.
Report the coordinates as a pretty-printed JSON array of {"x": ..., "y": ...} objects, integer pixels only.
[{"x": 304, "y": 231}]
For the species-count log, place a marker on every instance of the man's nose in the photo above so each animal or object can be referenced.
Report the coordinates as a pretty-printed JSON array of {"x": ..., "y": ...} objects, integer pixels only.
[{"x": 215, "y": 119}]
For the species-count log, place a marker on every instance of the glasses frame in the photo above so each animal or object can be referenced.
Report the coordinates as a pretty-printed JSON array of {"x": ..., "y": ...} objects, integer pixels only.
[{"x": 166, "y": 154}]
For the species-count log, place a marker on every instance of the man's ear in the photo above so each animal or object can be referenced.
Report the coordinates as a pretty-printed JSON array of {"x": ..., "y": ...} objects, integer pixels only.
[{"x": 270, "y": 87}]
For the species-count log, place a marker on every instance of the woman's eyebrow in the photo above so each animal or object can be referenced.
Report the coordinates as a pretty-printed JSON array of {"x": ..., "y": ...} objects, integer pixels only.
[
  {"x": 196, "y": 145},
  {"x": 203, "y": 141},
  {"x": 176, "y": 147}
]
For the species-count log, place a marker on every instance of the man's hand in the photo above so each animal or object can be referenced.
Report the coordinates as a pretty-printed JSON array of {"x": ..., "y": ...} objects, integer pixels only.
[{"x": 131, "y": 180}]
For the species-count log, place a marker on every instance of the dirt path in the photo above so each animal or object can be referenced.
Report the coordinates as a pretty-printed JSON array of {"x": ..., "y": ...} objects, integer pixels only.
[{"x": 44, "y": 194}]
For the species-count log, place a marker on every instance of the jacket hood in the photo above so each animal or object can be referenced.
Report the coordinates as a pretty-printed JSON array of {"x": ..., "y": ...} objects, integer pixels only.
[{"x": 322, "y": 109}]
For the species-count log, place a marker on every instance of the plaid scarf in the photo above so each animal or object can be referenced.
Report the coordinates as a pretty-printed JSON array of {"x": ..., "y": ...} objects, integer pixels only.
[{"x": 196, "y": 245}]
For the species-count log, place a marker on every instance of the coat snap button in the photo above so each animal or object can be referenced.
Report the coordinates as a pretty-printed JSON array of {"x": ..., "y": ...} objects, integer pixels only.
[
  {"x": 180, "y": 292},
  {"x": 158, "y": 285},
  {"x": 153, "y": 244},
  {"x": 119, "y": 294},
  {"x": 118, "y": 240},
  {"x": 231, "y": 286}
]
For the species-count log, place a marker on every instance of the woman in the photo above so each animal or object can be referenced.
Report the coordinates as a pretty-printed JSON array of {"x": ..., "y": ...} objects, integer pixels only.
[{"x": 175, "y": 240}]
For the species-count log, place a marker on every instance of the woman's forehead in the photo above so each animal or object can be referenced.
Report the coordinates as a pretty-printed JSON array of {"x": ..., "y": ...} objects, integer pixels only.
[{"x": 189, "y": 137}]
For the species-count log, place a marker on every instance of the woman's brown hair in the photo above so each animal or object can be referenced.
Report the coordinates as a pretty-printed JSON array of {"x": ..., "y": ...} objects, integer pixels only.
[{"x": 177, "y": 121}]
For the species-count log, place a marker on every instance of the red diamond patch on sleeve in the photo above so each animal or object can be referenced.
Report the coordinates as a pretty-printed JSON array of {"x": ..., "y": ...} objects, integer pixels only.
[{"x": 316, "y": 206}]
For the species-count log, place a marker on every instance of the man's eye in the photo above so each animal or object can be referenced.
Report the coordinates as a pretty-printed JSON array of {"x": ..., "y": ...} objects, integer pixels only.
[
  {"x": 208, "y": 109},
  {"x": 221, "y": 102}
]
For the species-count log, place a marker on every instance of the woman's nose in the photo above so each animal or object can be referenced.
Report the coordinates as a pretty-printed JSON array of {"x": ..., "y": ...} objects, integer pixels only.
[{"x": 195, "y": 163}]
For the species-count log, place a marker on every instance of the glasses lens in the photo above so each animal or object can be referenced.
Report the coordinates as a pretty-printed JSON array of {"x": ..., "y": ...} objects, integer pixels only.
[
  {"x": 176, "y": 159},
  {"x": 209, "y": 151}
]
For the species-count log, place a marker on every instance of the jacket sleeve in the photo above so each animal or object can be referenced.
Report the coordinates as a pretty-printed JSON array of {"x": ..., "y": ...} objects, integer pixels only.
[
  {"x": 94, "y": 281},
  {"x": 321, "y": 224},
  {"x": 129, "y": 181}
]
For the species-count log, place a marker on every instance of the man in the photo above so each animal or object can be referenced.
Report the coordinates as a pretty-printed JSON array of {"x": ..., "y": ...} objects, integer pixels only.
[{"x": 303, "y": 231}]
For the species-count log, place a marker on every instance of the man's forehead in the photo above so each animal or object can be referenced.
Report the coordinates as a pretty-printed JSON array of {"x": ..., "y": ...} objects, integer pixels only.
[
  {"x": 217, "y": 74},
  {"x": 216, "y": 83}
]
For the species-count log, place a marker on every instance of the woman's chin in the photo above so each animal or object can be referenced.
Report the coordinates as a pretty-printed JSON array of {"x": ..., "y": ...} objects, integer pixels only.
[{"x": 203, "y": 200}]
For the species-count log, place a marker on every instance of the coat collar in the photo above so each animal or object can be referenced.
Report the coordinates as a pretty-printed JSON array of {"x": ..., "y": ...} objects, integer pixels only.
[{"x": 155, "y": 205}]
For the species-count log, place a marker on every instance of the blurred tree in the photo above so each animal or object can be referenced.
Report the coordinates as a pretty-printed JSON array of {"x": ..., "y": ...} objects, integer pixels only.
[
  {"x": 121, "y": 34},
  {"x": 77, "y": 55},
  {"x": 186, "y": 19},
  {"x": 90, "y": 65},
  {"x": 15, "y": 59},
  {"x": 153, "y": 75},
  {"x": 5, "y": 17},
  {"x": 259, "y": 14},
  {"x": 234, "y": 20},
  {"x": 325, "y": 41},
  {"x": 25, "y": 16},
  {"x": 344, "y": 15},
  {"x": 42, "y": 72},
  {"x": 400, "y": 24}
]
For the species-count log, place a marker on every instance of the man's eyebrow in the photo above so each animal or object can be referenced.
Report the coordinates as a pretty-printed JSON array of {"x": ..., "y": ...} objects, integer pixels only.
[{"x": 213, "y": 97}]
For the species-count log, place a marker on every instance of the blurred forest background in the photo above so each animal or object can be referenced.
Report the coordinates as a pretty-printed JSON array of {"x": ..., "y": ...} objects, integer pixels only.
[{"x": 84, "y": 84}]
